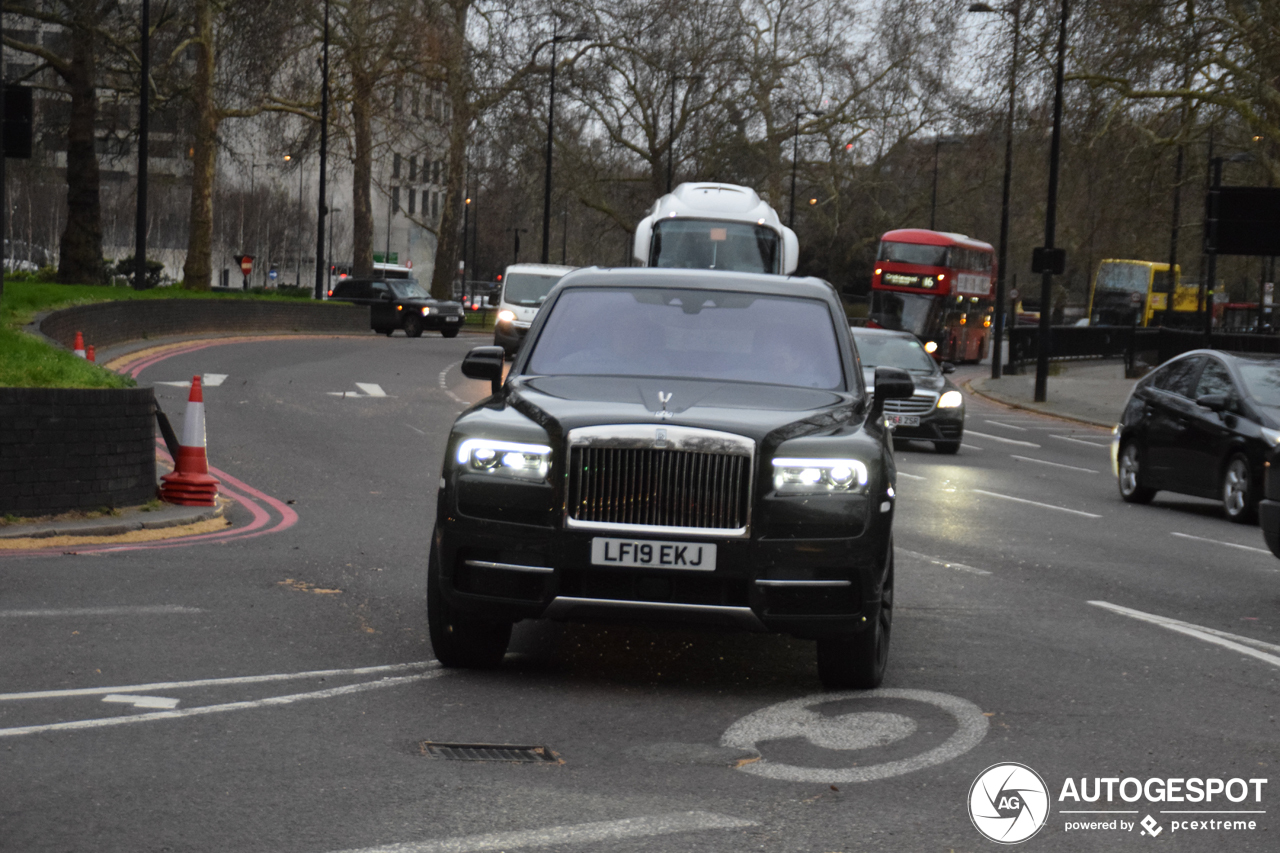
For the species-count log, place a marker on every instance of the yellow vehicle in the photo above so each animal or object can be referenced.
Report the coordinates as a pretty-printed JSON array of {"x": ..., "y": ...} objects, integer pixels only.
[{"x": 1141, "y": 293}]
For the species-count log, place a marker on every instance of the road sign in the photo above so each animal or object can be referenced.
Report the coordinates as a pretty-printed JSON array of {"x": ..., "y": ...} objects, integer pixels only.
[
  {"x": 273, "y": 274},
  {"x": 1135, "y": 299},
  {"x": 246, "y": 264},
  {"x": 1014, "y": 294}
]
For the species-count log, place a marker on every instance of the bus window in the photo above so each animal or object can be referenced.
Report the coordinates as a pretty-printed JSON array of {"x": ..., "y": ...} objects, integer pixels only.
[
  {"x": 902, "y": 312},
  {"x": 913, "y": 253}
]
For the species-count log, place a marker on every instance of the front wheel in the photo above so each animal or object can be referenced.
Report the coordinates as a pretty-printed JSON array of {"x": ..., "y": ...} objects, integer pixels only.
[
  {"x": 449, "y": 333},
  {"x": 1130, "y": 479},
  {"x": 460, "y": 639},
  {"x": 413, "y": 326},
  {"x": 858, "y": 661},
  {"x": 1239, "y": 498}
]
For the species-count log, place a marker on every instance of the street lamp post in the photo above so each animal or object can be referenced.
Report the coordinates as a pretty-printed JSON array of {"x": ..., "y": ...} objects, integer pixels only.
[
  {"x": 321, "y": 209},
  {"x": 298, "y": 265},
  {"x": 144, "y": 108},
  {"x": 328, "y": 266},
  {"x": 1050, "y": 259},
  {"x": 556, "y": 38},
  {"x": 795, "y": 160},
  {"x": 997, "y": 321},
  {"x": 517, "y": 231},
  {"x": 1211, "y": 237}
]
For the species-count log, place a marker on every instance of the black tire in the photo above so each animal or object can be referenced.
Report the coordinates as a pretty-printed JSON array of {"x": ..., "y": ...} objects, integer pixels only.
[
  {"x": 449, "y": 333},
  {"x": 1239, "y": 490},
  {"x": 948, "y": 447},
  {"x": 461, "y": 640},
  {"x": 1130, "y": 475},
  {"x": 413, "y": 326},
  {"x": 858, "y": 661},
  {"x": 386, "y": 332}
]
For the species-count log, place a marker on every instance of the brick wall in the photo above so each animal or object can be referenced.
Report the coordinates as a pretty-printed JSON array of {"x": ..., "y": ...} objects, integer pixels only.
[
  {"x": 108, "y": 323},
  {"x": 63, "y": 449}
]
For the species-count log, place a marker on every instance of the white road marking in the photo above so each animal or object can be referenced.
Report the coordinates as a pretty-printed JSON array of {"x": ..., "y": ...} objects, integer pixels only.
[
  {"x": 969, "y": 446},
  {"x": 1006, "y": 426},
  {"x": 960, "y": 567},
  {"x": 415, "y": 429},
  {"x": 902, "y": 473},
  {"x": 1036, "y": 503},
  {"x": 271, "y": 702},
  {"x": 1228, "y": 544},
  {"x": 208, "y": 380},
  {"x": 142, "y": 701},
  {"x": 81, "y": 612},
  {"x": 1002, "y": 439},
  {"x": 1054, "y": 464},
  {"x": 219, "y": 682},
  {"x": 853, "y": 731},
  {"x": 1234, "y": 642},
  {"x": 372, "y": 389},
  {"x": 1106, "y": 446},
  {"x": 581, "y": 833},
  {"x": 444, "y": 385}
]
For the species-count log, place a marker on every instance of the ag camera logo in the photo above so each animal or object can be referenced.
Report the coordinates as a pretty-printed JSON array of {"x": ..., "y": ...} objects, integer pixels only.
[{"x": 1008, "y": 803}]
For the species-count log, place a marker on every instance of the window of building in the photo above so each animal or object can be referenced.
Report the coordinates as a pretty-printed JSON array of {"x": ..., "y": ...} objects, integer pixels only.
[
  {"x": 395, "y": 199},
  {"x": 413, "y": 195},
  {"x": 435, "y": 205},
  {"x": 415, "y": 103},
  {"x": 413, "y": 168},
  {"x": 395, "y": 166},
  {"x": 435, "y": 172},
  {"x": 396, "y": 99}
]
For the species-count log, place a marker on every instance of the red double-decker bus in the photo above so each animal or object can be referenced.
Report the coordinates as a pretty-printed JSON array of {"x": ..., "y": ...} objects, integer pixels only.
[{"x": 939, "y": 286}]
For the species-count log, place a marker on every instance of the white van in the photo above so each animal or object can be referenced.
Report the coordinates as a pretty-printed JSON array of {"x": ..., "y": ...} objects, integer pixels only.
[{"x": 524, "y": 288}]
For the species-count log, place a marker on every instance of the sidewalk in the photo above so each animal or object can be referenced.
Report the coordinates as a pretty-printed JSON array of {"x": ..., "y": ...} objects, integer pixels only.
[
  {"x": 1092, "y": 392},
  {"x": 125, "y": 520}
]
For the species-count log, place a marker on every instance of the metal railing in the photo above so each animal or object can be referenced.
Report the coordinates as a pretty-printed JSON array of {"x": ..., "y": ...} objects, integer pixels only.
[{"x": 1137, "y": 346}]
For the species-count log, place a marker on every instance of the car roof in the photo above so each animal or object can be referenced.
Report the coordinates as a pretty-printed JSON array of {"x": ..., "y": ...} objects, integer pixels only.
[
  {"x": 540, "y": 269},
  {"x": 867, "y": 331},
  {"x": 760, "y": 283},
  {"x": 1262, "y": 357}
]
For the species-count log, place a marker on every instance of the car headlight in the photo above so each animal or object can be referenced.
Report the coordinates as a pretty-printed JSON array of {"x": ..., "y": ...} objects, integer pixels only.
[
  {"x": 818, "y": 476},
  {"x": 1271, "y": 436},
  {"x": 505, "y": 459},
  {"x": 950, "y": 400},
  {"x": 506, "y": 316},
  {"x": 425, "y": 311}
]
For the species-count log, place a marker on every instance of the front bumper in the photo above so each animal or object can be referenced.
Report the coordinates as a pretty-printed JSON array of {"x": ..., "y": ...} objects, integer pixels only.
[
  {"x": 937, "y": 425},
  {"x": 807, "y": 587},
  {"x": 509, "y": 335}
]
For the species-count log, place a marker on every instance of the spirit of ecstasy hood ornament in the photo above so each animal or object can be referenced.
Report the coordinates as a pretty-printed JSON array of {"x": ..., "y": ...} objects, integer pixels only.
[{"x": 664, "y": 397}]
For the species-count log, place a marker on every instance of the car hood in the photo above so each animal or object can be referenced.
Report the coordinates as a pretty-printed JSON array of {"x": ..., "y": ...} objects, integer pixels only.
[
  {"x": 562, "y": 403},
  {"x": 935, "y": 382},
  {"x": 446, "y": 305}
]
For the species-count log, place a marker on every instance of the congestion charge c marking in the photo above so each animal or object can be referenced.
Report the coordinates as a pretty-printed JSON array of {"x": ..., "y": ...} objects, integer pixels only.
[{"x": 853, "y": 731}]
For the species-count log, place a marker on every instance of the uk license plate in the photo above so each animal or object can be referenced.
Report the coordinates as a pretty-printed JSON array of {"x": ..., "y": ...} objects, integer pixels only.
[
  {"x": 452, "y": 318},
  {"x": 654, "y": 554},
  {"x": 903, "y": 420}
]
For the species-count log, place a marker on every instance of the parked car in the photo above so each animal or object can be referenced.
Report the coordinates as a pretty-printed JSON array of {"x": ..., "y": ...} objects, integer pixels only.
[
  {"x": 935, "y": 412},
  {"x": 1201, "y": 424},
  {"x": 400, "y": 303},
  {"x": 672, "y": 444}
]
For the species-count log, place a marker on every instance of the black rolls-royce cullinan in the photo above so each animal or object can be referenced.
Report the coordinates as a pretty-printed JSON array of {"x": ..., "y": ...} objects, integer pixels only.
[{"x": 683, "y": 445}]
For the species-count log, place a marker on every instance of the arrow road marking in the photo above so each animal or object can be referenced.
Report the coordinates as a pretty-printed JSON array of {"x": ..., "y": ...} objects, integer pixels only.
[
  {"x": 142, "y": 701},
  {"x": 370, "y": 389},
  {"x": 1234, "y": 642},
  {"x": 581, "y": 833}
]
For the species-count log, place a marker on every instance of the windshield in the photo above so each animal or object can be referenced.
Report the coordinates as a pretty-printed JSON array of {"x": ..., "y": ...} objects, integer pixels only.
[
  {"x": 528, "y": 289},
  {"x": 688, "y": 333},
  {"x": 1127, "y": 278},
  {"x": 902, "y": 312},
  {"x": 893, "y": 351},
  {"x": 408, "y": 289},
  {"x": 703, "y": 244},
  {"x": 913, "y": 253},
  {"x": 1262, "y": 379}
]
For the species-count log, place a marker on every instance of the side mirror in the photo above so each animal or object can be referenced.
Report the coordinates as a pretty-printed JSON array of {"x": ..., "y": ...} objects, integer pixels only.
[
  {"x": 640, "y": 244},
  {"x": 948, "y": 367},
  {"x": 790, "y": 251},
  {"x": 384, "y": 295},
  {"x": 892, "y": 383},
  {"x": 493, "y": 299},
  {"x": 485, "y": 363},
  {"x": 1213, "y": 402}
]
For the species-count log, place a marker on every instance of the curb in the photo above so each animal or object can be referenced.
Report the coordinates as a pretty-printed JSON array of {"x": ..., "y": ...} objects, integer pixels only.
[
  {"x": 174, "y": 516},
  {"x": 968, "y": 386}
]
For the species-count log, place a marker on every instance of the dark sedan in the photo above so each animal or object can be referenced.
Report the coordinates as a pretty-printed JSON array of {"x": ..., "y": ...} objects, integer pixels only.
[
  {"x": 681, "y": 445},
  {"x": 935, "y": 412},
  {"x": 1201, "y": 424},
  {"x": 400, "y": 303}
]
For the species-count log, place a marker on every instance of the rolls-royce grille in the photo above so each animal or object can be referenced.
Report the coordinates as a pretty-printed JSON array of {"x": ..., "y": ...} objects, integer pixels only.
[
  {"x": 662, "y": 487},
  {"x": 917, "y": 405}
]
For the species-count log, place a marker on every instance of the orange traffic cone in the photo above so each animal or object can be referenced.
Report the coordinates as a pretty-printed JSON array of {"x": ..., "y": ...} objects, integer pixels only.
[
  {"x": 78, "y": 349},
  {"x": 89, "y": 354},
  {"x": 190, "y": 483}
]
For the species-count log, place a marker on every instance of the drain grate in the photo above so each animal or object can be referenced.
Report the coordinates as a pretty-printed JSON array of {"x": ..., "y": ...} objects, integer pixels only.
[{"x": 488, "y": 752}]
